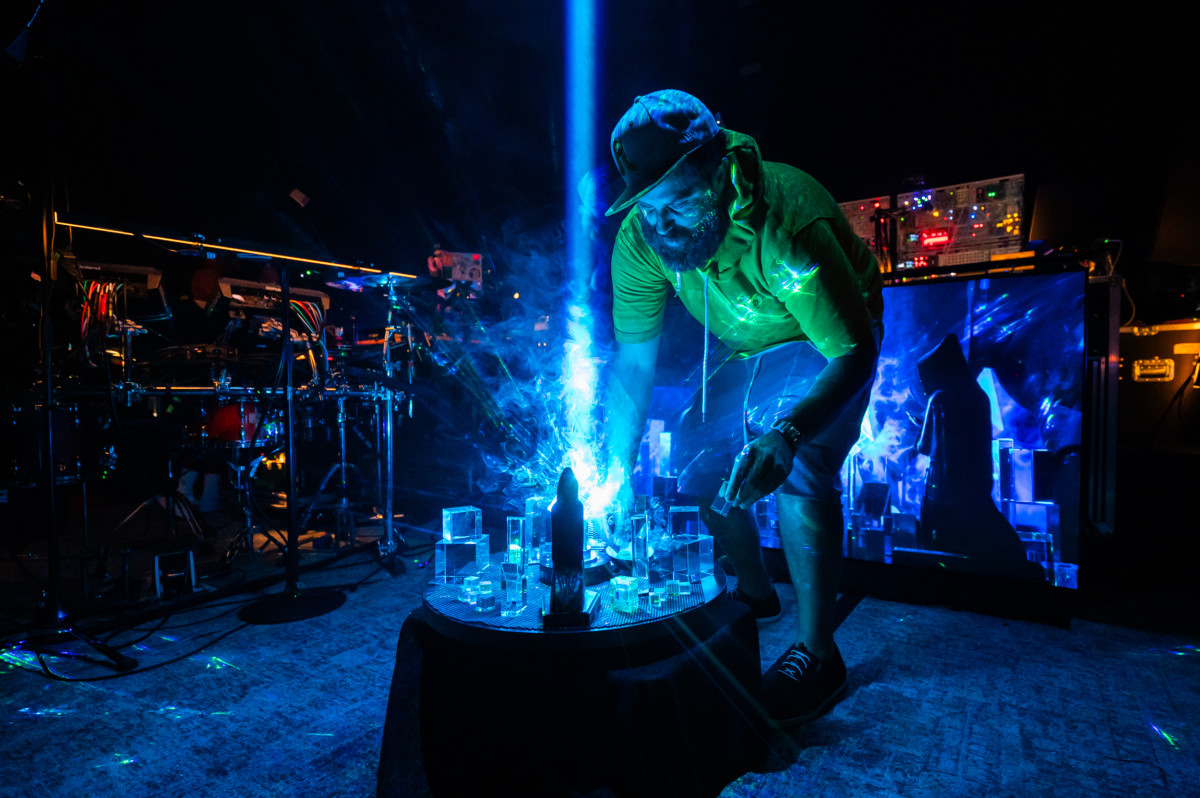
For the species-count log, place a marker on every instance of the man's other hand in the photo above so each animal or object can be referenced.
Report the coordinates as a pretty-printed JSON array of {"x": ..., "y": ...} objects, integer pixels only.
[{"x": 759, "y": 469}]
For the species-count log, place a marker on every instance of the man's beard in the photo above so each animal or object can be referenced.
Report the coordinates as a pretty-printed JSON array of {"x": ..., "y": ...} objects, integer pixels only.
[{"x": 685, "y": 250}]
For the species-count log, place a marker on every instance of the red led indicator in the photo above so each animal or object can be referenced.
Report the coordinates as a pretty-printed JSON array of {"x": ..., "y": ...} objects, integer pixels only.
[{"x": 935, "y": 237}]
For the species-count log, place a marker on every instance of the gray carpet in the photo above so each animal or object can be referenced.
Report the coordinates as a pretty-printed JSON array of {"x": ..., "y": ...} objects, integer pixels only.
[
  {"x": 946, "y": 703},
  {"x": 941, "y": 702}
]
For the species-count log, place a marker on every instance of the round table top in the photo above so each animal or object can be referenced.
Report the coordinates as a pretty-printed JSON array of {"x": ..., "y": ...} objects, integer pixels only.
[{"x": 455, "y": 617}]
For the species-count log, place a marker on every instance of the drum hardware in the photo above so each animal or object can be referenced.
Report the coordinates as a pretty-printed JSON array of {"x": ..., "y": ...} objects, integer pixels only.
[
  {"x": 393, "y": 281},
  {"x": 292, "y": 604},
  {"x": 240, "y": 421},
  {"x": 345, "y": 526},
  {"x": 176, "y": 505},
  {"x": 243, "y": 542},
  {"x": 397, "y": 284},
  {"x": 409, "y": 366},
  {"x": 241, "y": 424},
  {"x": 127, "y": 331},
  {"x": 388, "y": 546},
  {"x": 77, "y": 454}
]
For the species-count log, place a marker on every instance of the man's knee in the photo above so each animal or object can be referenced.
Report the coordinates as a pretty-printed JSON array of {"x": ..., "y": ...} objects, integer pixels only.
[{"x": 811, "y": 522}]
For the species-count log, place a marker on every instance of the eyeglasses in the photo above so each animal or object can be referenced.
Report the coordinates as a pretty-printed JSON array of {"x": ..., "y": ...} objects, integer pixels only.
[{"x": 682, "y": 210}]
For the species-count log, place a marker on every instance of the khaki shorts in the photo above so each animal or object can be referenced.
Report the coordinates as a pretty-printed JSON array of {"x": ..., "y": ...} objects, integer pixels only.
[{"x": 744, "y": 399}]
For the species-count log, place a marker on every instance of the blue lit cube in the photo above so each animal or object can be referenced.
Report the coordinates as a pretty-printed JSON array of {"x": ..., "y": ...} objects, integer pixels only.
[
  {"x": 461, "y": 523},
  {"x": 455, "y": 560}
]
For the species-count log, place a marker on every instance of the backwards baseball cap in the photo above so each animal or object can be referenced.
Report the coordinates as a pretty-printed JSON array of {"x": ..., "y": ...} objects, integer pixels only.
[{"x": 654, "y": 136}]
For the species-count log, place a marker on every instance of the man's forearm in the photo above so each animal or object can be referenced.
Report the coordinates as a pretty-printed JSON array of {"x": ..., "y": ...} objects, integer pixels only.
[
  {"x": 836, "y": 384},
  {"x": 628, "y": 404},
  {"x": 630, "y": 384}
]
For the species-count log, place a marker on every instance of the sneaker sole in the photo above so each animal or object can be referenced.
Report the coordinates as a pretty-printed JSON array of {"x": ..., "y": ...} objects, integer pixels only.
[
  {"x": 770, "y": 619},
  {"x": 764, "y": 620},
  {"x": 824, "y": 707}
]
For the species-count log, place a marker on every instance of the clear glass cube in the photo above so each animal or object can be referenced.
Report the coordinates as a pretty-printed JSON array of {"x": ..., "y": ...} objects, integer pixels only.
[
  {"x": 512, "y": 599},
  {"x": 455, "y": 560},
  {"x": 624, "y": 594},
  {"x": 692, "y": 556},
  {"x": 683, "y": 521},
  {"x": 461, "y": 523},
  {"x": 486, "y": 601}
]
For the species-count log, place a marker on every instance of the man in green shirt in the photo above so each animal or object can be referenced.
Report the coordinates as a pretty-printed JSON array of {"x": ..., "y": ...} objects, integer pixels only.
[{"x": 762, "y": 256}]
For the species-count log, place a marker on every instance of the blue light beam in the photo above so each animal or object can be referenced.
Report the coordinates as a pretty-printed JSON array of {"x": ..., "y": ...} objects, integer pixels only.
[{"x": 581, "y": 370}]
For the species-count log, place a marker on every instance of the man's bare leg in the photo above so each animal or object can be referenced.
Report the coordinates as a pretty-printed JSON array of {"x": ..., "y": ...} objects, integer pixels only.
[{"x": 810, "y": 532}]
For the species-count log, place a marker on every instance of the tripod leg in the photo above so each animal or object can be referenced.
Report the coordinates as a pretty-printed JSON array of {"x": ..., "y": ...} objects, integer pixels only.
[
  {"x": 120, "y": 661},
  {"x": 180, "y": 507},
  {"x": 148, "y": 503}
]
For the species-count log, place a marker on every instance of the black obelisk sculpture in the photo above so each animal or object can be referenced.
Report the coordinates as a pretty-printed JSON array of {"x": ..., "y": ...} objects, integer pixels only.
[{"x": 566, "y": 536}]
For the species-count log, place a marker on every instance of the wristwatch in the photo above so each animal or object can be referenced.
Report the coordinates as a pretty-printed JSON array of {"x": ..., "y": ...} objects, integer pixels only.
[{"x": 790, "y": 432}]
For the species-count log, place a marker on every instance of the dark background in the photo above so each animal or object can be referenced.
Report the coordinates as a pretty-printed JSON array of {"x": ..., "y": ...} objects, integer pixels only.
[{"x": 416, "y": 124}]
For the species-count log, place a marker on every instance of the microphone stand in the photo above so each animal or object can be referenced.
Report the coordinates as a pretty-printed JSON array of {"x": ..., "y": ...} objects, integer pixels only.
[
  {"x": 293, "y": 604},
  {"x": 389, "y": 546}
]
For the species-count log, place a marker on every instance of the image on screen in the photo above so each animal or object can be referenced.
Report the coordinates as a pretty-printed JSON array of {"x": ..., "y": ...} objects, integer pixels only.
[{"x": 969, "y": 457}]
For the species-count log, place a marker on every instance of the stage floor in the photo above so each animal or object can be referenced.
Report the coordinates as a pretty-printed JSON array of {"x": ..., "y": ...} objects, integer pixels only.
[{"x": 941, "y": 702}]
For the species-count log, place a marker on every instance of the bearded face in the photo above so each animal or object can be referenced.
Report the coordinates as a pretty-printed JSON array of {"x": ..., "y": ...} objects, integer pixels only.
[{"x": 683, "y": 222}]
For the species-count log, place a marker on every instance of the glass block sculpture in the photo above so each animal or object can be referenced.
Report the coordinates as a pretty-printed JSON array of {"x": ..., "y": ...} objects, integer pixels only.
[
  {"x": 537, "y": 528},
  {"x": 691, "y": 550},
  {"x": 640, "y": 553},
  {"x": 515, "y": 552},
  {"x": 463, "y": 549},
  {"x": 624, "y": 592}
]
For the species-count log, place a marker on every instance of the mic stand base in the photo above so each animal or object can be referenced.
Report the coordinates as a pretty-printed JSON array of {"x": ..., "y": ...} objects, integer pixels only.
[{"x": 290, "y": 606}]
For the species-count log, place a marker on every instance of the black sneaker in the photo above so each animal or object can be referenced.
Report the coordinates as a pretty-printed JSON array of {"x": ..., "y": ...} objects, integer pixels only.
[
  {"x": 765, "y": 610},
  {"x": 799, "y": 686}
]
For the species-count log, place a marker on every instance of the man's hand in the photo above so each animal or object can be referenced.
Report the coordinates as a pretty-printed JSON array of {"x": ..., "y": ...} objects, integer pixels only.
[{"x": 760, "y": 468}]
